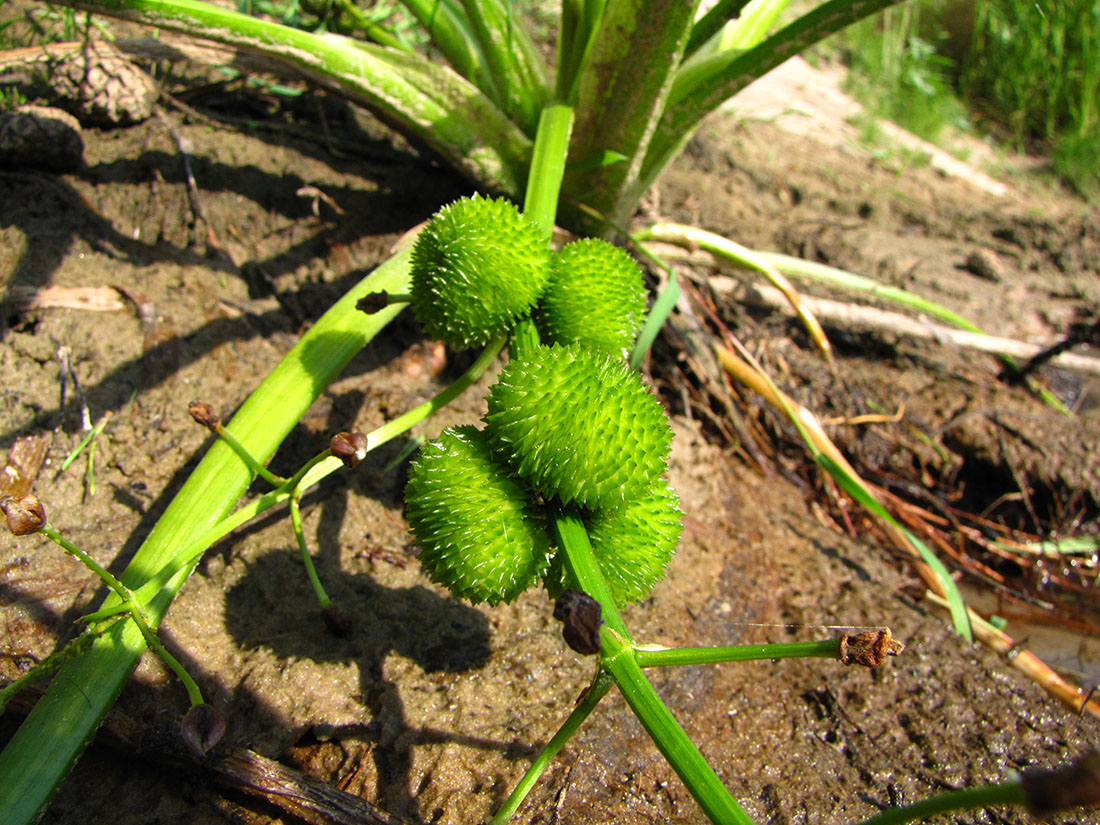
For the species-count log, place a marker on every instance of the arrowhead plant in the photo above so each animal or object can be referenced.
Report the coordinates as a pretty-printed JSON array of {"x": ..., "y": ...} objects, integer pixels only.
[{"x": 565, "y": 481}]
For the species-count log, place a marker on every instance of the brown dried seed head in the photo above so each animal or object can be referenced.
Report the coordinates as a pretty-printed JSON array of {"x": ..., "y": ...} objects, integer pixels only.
[
  {"x": 869, "y": 648},
  {"x": 25, "y": 514},
  {"x": 351, "y": 448},
  {"x": 204, "y": 414},
  {"x": 1076, "y": 785}
]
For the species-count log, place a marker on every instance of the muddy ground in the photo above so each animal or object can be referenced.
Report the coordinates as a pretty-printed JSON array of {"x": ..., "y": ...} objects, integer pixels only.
[{"x": 431, "y": 709}]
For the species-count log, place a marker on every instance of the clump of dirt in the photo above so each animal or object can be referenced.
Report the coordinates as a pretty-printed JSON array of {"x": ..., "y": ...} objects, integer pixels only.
[{"x": 227, "y": 235}]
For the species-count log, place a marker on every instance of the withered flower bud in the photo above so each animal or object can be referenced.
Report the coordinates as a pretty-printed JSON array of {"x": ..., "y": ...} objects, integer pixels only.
[
  {"x": 1076, "y": 785},
  {"x": 351, "y": 448},
  {"x": 581, "y": 616},
  {"x": 869, "y": 648},
  {"x": 373, "y": 302},
  {"x": 202, "y": 728},
  {"x": 25, "y": 514},
  {"x": 204, "y": 414}
]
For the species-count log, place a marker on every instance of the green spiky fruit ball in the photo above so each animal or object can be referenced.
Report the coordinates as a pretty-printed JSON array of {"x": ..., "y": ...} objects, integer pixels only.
[
  {"x": 595, "y": 297},
  {"x": 577, "y": 424},
  {"x": 476, "y": 267},
  {"x": 633, "y": 544},
  {"x": 479, "y": 534}
]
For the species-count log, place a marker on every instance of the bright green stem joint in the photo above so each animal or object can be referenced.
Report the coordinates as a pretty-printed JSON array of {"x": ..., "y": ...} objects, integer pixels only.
[
  {"x": 131, "y": 607},
  {"x": 619, "y": 659}
]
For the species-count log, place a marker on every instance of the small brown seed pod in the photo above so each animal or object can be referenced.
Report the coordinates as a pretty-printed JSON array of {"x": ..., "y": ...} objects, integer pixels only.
[
  {"x": 350, "y": 448},
  {"x": 25, "y": 514},
  {"x": 204, "y": 415}
]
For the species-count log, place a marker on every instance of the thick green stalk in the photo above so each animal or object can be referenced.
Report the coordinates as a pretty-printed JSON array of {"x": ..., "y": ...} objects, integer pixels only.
[
  {"x": 540, "y": 203},
  {"x": 620, "y": 99},
  {"x": 64, "y": 720},
  {"x": 618, "y": 658}
]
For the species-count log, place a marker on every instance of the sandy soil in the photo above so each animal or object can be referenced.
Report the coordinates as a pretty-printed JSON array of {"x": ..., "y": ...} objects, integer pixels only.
[{"x": 431, "y": 709}]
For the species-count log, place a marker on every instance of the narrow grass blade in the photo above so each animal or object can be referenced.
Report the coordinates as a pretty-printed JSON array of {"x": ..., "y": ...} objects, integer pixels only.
[
  {"x": 856, "y": 489},
  {"x": 692, "y": 237},
  {"x": 826, "y": 454}
]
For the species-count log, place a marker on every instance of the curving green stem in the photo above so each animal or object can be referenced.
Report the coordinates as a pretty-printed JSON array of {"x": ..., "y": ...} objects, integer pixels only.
[
  {"x": 257, "y": 468},
  {"x": 311, "y": 570},
  {"x": 131, "y": 607},
  {"x": 1004, "y": 793},
  {"x": 619, "y": 658}
]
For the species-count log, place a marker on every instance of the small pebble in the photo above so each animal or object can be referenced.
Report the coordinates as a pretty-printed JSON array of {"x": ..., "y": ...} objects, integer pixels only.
[{"x": 41, "y": 137}]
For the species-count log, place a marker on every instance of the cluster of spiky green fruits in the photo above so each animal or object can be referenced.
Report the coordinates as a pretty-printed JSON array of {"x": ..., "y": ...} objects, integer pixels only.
[{"x": 568, "y": 423}]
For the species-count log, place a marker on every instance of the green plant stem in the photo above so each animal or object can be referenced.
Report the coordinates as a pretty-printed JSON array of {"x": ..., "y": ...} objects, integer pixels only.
[
  {"x": 103, "y": 573},
  {"x": 311, "y": 571},
  {"x": 712, "y": 22},
  {"x": 399, "y": 425},
  {"x": 618, "y": 658},
  {"x": 540, "y": 203},
  {"x": 45, "y": 667},
  {"x": 379, "y": 34},
  {"x": 87, "y": 684},
  {"x": 572, "y": 537},
  {"x": 823, "y": 649},
  {"x": 1005, "y": 793},
  {"x": 129, "y": 605},
  {"x": 313, "y": 472},
  {"x": 582, "y": 711},
  {"x": 194, "y": 695},
  {"x": 656, "y": 318}
]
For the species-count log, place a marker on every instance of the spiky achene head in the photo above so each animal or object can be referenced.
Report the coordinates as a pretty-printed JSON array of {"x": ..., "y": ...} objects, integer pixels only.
[
  {"x": 480, "y": 534},
  {"x": 476, "y": 267},
  {"x": 579, "y": 425},
  {"x": 595, "y": 297},
  {"x": 633, "y": 544}
]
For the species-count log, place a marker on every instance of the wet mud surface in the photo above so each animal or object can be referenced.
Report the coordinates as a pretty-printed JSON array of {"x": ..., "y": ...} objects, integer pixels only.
[{"x": 429, "y": 708}]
